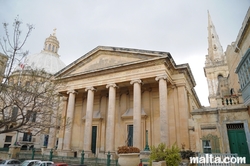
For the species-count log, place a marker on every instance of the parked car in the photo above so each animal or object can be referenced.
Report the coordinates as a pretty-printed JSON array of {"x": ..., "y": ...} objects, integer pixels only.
[
  {"x": 10, "y": 162},
  {"x": 60, "y": 164},
  {"x": 29, "y": 162},
  {"x": 44, "y": 163}
]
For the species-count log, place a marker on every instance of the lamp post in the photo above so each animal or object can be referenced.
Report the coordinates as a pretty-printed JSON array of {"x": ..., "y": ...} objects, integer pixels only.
[{"x": 146, "y": 146}]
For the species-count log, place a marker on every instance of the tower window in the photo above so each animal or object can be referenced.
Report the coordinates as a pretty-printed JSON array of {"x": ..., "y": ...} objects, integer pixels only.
[
  {"x": 49, "y": 47},
  {"x": 232, "y": 91},
  {"x": 220, "y": 77}
]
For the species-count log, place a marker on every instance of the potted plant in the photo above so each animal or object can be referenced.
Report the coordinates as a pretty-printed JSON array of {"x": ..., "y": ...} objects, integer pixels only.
[
  {"x": 128, "y": 156},
  {"x": 186, "y": 154},
  {"x": 162, "y": 155}
]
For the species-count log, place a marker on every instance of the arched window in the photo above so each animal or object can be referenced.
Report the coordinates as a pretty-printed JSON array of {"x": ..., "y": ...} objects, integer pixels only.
[
  {"x": 220, "y": 77},
  {"x": 49, "y": 47},
  {"x": 232, "y": 91}
]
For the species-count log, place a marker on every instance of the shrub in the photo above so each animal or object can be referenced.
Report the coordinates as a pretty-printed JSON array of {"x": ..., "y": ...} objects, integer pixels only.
[
  {"x": 162, "y": 153},
  {"x": 128, "y": 149},
  {"x": 186, "y": 154}
]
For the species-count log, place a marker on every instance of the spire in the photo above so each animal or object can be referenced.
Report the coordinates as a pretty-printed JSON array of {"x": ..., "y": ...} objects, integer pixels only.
[
  {"x": 215, "y": 50},
  {"x": 51, "y": 43}
]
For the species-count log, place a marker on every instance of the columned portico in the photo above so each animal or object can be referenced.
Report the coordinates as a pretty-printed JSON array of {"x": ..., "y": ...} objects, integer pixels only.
[
  {"x": 70, "y": 117},
  {"x": 110, "y": 132},
  {"x": 113, "y": 117},
  {"x": 163, "y": 108},
  {"x": 89, "y": 119},
  {"x": 137, "y": 113}
]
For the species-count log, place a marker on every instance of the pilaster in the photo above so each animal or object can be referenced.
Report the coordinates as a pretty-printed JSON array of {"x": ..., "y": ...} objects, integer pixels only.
[{"x": 163, "y": 108}]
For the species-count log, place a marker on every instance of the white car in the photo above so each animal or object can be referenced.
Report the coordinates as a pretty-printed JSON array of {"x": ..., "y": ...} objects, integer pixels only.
[
  {"x": 10, "y": 162},
  {"x": 29, "y": 162},
  {"x": 44, "y": 163}
]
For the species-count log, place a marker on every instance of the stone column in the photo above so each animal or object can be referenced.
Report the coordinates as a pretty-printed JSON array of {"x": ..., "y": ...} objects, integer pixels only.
[
  {"x": 110, "y": 132},
  {"x": 52, "y": 134},
  {"x": 69, "y": 120},
  {"x": 88, "y": 120},
  {"x": 163, "y": 93},
  {"x": 63, "y": 123},
  {"x": 137, "y": 113}
]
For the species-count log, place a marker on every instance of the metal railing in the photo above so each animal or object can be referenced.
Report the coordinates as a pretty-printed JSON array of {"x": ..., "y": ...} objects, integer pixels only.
[{"x": 69, "y": 160}]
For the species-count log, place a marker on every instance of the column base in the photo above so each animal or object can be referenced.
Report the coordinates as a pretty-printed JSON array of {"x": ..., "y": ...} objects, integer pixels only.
[
  {"x": 43, "y": 149},
  {"x": 66, "y": 153},
  {"x": 144, "y": 156},
  {"x": 89, "y": 154},
  {"x": 113, "y": 155}
]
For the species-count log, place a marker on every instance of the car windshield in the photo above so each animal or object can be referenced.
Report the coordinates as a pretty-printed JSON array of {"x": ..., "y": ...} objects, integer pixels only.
[
  {"x": 37, "y": 164},
  {"x": 2, "y": 162},
  {"x": 24, "y": 163}
]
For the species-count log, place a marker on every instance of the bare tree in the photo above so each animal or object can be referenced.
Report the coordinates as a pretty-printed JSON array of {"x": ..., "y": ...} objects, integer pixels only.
[
  {"x": 12, "y": 46},
  {"x": 28, "y": 97}
]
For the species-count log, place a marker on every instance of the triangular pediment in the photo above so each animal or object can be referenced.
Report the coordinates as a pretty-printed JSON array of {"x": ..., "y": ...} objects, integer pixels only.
[
  {"x": 103, "y": 61},
  {"x": 102, "y": 58}
]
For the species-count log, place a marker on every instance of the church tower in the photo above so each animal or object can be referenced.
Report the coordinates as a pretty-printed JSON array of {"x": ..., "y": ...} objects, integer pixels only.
[{"x": 216, "y": 69}]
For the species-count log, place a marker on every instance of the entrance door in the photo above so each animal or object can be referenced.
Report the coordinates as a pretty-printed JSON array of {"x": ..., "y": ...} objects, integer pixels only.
[
  {"x": 93, "y": 141},
  {"x": 237, "y": 140},
  {"x": 130, "y": 135}
]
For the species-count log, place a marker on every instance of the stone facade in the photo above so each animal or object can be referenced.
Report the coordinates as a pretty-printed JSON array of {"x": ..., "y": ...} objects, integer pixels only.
[
  {"x": 242, "y": 50},
  {"x": 112, "y": 94},
  {"x": 223, "y": 127}
]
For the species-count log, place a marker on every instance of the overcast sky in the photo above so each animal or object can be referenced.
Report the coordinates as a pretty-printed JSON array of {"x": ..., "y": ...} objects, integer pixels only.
[{"x": 177, "y": 26}]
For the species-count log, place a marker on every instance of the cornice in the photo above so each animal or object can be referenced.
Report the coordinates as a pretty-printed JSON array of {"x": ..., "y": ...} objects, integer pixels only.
[{"x": 118, "y": 68}]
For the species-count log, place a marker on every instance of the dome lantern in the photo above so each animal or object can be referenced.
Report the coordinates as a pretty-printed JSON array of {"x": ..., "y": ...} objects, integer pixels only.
[{"x": 51, "y": 43}]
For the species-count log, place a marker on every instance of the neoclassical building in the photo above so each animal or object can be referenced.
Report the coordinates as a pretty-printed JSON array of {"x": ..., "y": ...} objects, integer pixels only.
[{"x": 112, "y": 96}]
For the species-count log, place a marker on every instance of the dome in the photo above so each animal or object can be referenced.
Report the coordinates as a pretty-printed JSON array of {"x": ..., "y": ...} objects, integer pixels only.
[{"x": 47, "y": 59}]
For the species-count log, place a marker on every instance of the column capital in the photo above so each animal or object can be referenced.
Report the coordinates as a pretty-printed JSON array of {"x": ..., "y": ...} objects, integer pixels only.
[
  {"x": 157, "y": 78},
  {"x": 72, "y": 91},
  {"x": 180, "y": 84},
  {"x": 90, "y": 88},
  {"x": 136, "y": 81},
  {"x": 111, "y": 85}
]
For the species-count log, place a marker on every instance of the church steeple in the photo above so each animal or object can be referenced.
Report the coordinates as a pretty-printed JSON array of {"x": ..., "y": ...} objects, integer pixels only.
[
  {"x": 216, "y": 69},
  {"x": 215, "y": 50},
  {"x": 51, "y": 43}
]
